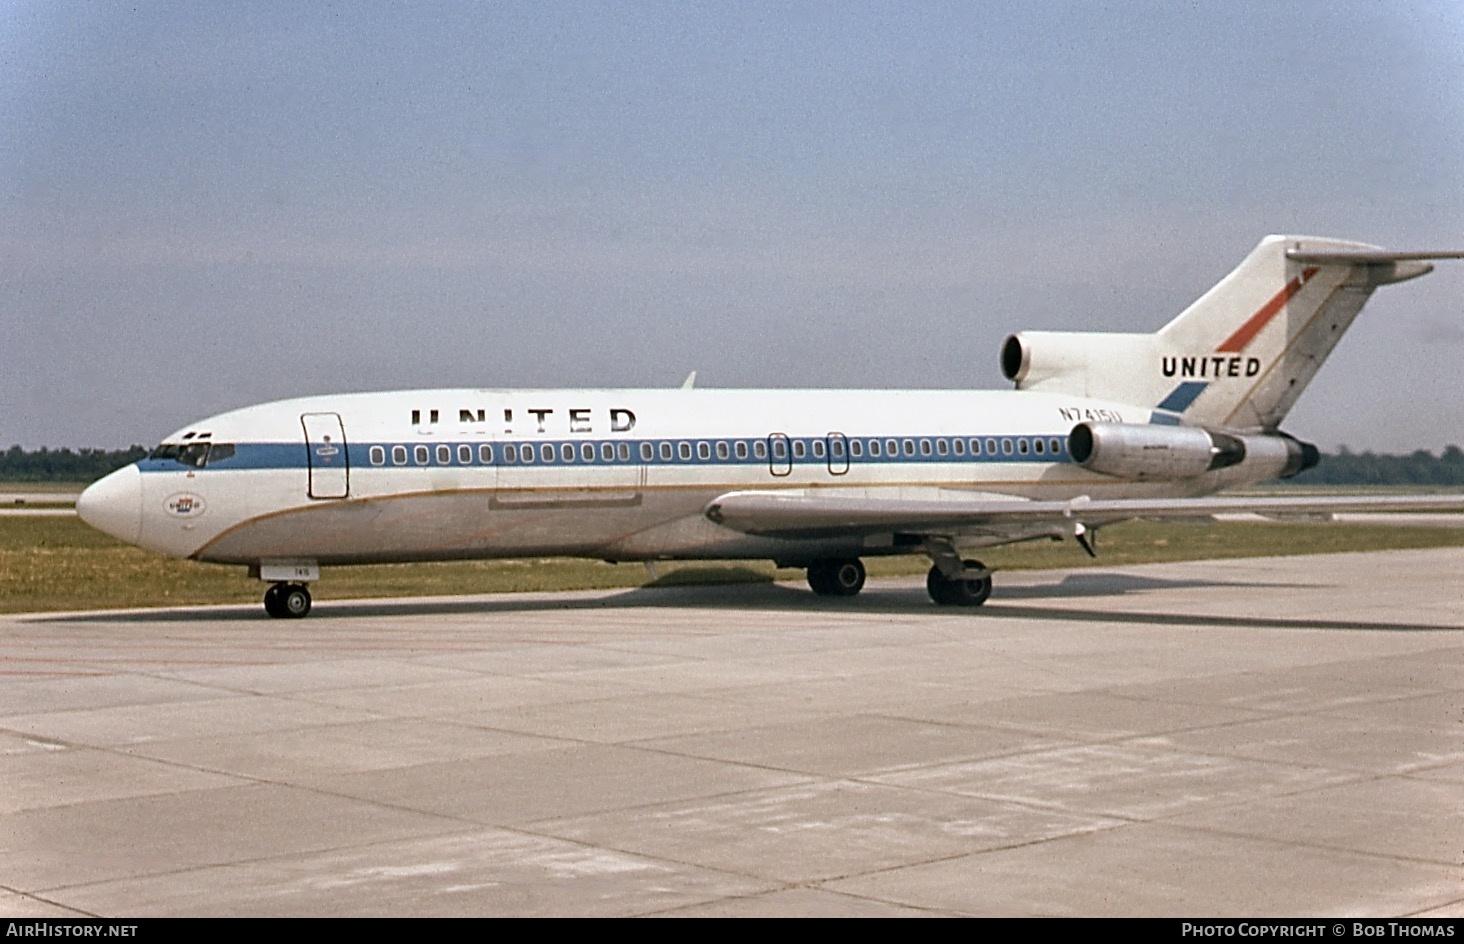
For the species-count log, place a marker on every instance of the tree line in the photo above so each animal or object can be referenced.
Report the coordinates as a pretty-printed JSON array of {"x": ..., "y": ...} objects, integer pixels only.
[
  {"x": 1420, "y": 467},
  {"x": 64, "y": 465},
  {"x": 1342, "y": 468}
]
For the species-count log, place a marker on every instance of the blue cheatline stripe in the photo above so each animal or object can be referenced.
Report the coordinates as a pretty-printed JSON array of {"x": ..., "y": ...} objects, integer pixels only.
[
  {"x": 1164, "y": 419},
  {"x": 1182, "y": 396},
  {"x": 663, "y": 452}
]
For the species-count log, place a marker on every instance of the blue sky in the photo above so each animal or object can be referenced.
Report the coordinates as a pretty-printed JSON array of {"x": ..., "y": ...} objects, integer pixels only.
[{"x": 206, "y": 205}]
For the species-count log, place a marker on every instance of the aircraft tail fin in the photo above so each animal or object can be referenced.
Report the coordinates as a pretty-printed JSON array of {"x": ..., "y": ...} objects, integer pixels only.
[{"x": 1241, "y": 354}]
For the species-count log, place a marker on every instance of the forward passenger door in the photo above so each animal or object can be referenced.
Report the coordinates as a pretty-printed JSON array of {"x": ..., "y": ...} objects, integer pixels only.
[{"x": 325, "y": 448}]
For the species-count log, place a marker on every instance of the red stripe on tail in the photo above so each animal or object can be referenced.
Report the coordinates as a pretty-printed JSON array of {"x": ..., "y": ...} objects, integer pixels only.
[{"x": 1247, "y": 332}]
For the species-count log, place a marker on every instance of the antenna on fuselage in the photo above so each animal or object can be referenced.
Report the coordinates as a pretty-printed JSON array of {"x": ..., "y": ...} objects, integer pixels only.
[{"x": 689, "y": 382}]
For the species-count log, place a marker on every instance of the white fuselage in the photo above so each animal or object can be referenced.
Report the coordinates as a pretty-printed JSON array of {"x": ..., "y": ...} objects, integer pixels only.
[{"x": 612, "y": 474}]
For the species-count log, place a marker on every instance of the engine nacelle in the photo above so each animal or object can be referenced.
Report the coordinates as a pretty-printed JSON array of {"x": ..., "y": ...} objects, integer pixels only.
[
  {"x": 1168, "y": 453},
  {"x": 1067, "y": 361}
]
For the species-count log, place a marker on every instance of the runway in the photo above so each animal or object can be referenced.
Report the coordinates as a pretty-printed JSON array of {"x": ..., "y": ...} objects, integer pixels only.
[
  {"x": 1241, "y": 738},
  {"x": 23, "y": 504},
  {"x": 46, "y": 497}
]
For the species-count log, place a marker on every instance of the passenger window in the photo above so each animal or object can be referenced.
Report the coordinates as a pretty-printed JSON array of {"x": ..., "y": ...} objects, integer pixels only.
[
  {"x": 991, "y": 447},
  {"x": 874, "y": 448},
  {"x": 623, "y": 451},
  {"x": 421, "y": 454},
  {"x": 1022, "y": 445},
  {"x": 975, "y": 447},
  {"x": 1055, "y": 446},
  {"x": 1037, "y": 444},
  {"x": 378, "y": 455},
  {"x": 818, "y": 448},
  {"x": 444, "y": 455},
  {"x": 722, "y": 451},
  {"x": 685, "y": 450},
  {"x": 940, "y": 447},
  {"x": 566, "y": 452},
  {"x": 1006, "y": 447},
  {"x": 398, "y": 455},
  {"x": 667, "y": 453},
  {"x": 703, "y": 451},
  {"x": 648, "y": 452},
  {"x": 740, "y": 448},
  {"x": 546, "y": 452},
  {"x": 958, "y": 446},
  {"x": 799, "y": 449},
  {"x": 465, "y": 455},
  {"x": 587, "y": 452},
  {"x": 856, "y": 448},
  {"x": 910, "y": 447},
  {"x": 607, "y": 452},
  {"x": 485, "y": 454},
  {"x": 526, "y": 454}
]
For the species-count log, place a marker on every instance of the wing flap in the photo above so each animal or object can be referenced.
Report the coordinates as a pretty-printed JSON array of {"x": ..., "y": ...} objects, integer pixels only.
[{"x": 789, "y": 513}]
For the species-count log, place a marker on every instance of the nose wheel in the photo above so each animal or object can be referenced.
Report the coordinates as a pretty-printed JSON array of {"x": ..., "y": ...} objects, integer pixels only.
[{"x": 287, "y": 600}]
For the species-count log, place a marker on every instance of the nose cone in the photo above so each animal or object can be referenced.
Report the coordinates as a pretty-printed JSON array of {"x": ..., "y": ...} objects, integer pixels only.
[{"x": 114, "y": 504}]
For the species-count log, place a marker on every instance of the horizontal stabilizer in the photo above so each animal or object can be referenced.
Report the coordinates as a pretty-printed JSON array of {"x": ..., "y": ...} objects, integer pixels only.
[{"x": 1368, "y": 256}]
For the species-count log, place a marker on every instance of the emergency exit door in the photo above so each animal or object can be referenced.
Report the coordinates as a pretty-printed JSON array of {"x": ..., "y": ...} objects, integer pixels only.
[{"x": 325, "y": 448}]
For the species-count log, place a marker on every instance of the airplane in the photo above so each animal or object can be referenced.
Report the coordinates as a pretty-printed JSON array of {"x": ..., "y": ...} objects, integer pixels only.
[{"x": 1100, "y": 428}]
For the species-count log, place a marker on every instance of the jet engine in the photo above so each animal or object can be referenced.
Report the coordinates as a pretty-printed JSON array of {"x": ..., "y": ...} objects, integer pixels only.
[
  {"x": 1168, "y": 453},
  {"x": 1034, "y": 358}
]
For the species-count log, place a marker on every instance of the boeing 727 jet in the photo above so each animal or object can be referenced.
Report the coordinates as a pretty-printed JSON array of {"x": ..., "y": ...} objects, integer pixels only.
[{"x": 1100, "y": 428}]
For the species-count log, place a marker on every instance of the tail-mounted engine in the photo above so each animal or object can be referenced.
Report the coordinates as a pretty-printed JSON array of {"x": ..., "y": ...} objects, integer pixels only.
[
  {"x": 1168, "y": 453},
  {"x": 1071, "y": 361}
]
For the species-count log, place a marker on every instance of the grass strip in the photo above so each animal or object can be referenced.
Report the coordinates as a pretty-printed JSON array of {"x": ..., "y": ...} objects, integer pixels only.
[{"x": 58, "y": 563}]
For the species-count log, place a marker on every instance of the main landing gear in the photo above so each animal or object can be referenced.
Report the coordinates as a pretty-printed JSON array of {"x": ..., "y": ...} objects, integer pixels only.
[
  {"x": 961, "y": 591},
  {"x": 287, "y": 600},
  {"x": 836, "y": 576},
  {"x": 844, "y": 577}
]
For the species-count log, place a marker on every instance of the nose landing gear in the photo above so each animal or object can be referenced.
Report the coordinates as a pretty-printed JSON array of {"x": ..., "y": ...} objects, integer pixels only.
[{"x": 287, "y": 600}]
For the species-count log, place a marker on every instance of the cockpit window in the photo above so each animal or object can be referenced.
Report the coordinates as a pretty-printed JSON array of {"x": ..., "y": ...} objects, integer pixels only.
[{"x": 195, "y": 454}]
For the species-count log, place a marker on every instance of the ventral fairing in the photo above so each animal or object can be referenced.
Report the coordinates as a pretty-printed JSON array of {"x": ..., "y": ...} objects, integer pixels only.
[{"x": 1100, "y": 428}]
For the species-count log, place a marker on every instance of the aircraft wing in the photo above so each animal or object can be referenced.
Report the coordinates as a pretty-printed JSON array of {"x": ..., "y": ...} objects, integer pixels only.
[{"x": 814, "y": 513}]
